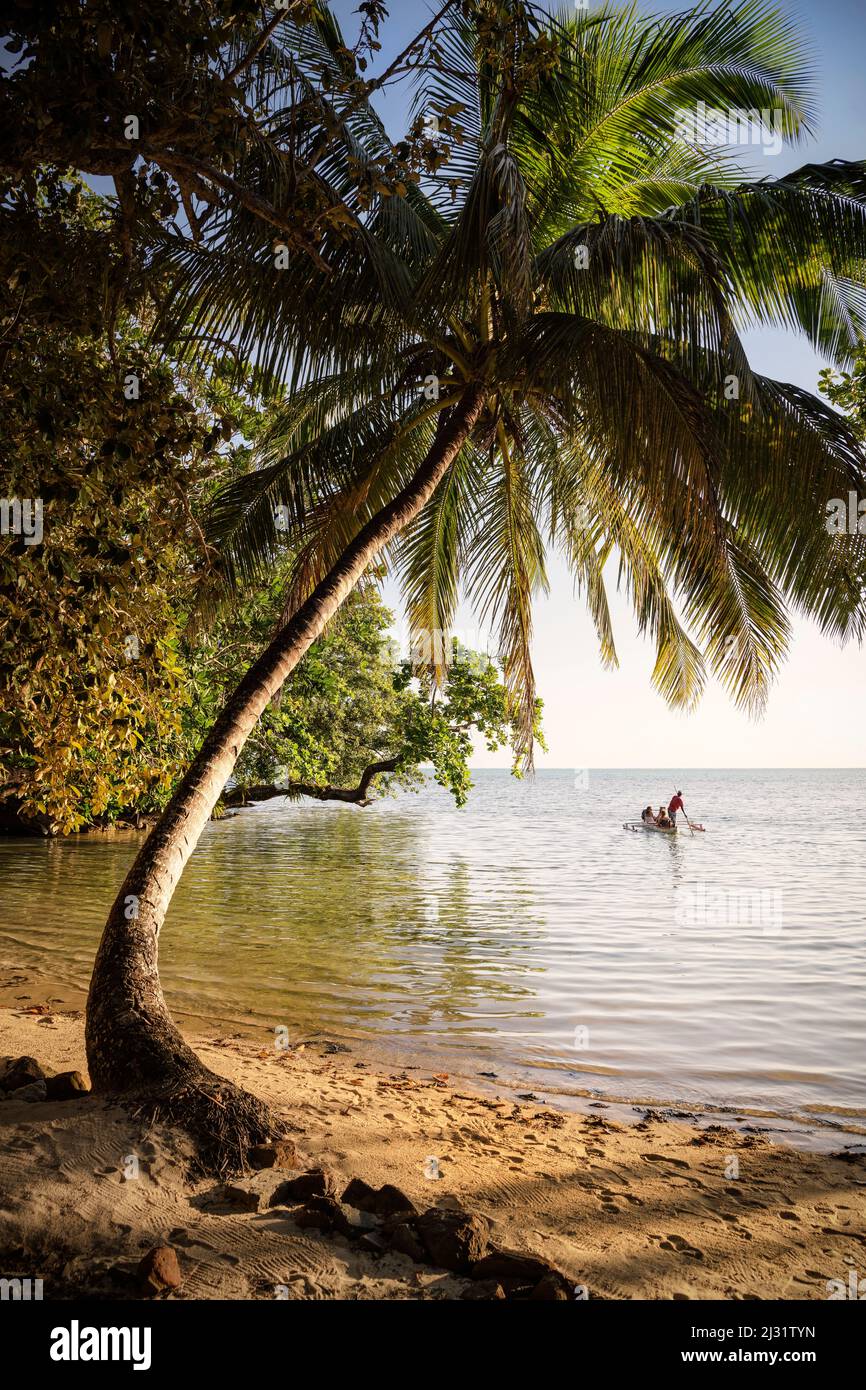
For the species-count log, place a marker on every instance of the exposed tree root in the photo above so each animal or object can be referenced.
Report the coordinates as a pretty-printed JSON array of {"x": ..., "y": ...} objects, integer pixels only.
[
  {"x": 221, "y": 1119},
  {"x": 137, "y": 1056},
  {"x": 151, "y": 1071}
]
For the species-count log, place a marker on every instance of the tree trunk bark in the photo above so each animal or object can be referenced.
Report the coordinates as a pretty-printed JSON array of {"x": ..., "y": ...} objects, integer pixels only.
[{"x": 133, "y": 1045}]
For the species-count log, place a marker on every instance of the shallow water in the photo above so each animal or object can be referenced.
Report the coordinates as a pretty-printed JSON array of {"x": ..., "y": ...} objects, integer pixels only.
[{"x": 527, "y": 934}]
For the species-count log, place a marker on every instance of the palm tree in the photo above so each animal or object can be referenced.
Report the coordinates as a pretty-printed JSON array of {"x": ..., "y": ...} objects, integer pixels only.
[{"x": 539, "y": 348}]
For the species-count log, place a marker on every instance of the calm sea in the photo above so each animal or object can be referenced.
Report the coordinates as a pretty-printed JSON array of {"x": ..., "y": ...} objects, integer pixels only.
[{"x": 528, "y": 935}]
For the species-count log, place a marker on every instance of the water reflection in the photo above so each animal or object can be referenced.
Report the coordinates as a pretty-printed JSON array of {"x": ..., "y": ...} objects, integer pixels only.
[{"x": 501, "y": 931}]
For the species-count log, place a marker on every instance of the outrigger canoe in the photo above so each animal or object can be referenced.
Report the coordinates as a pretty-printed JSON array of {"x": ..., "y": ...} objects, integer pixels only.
[{"x": 660, "y": 829}]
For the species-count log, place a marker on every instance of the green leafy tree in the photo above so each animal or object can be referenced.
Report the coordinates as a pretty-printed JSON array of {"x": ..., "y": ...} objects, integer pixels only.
[
  {"x": 191, "y": 110},
  {"x": 354, "y": 721},
  {"x": 847, "y": 389},
  {"x": 118, "y": 446},
  {"x": 105, "y": 440}
]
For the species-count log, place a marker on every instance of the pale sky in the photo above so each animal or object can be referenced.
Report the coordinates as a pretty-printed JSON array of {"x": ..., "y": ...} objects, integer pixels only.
[{"x": 595, "y": 718}]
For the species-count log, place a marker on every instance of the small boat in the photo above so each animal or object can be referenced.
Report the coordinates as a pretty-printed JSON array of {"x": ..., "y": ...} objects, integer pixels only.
[
  {"x": 661, "y": 829},
  {"x": 649, "y": 825}
]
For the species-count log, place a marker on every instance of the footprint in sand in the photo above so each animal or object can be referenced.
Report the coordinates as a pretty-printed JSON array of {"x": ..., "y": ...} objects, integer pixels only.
[
  {"x": 611, "y": 1198},
  {"x": 745, "y": 1201},
  {"x": 682, "y": 1247}
]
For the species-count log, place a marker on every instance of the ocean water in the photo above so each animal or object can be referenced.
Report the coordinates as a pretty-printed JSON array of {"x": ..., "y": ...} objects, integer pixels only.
[{"x": 528, "y": 935}]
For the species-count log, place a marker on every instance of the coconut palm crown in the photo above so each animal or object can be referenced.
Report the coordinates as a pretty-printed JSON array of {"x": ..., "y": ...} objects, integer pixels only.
[{"x": 582, "y": 257}]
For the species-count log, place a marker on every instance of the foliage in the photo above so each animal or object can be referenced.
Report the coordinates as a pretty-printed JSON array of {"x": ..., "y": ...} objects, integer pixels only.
[
  {"x": 108, "y": 688},
  {"x": 557, "y": 242},
  {"x": 350, "y": 704},
  {"x": 193, "y": 107},
  {"x": 593, "y": 270},
  {"x": 88, "y": 651},
  {"x": 846, "y": 512},
  {"x": 847, "y": 390},
  {"x": 112, "y": 441},
  {"x": 468, "y": 697}
]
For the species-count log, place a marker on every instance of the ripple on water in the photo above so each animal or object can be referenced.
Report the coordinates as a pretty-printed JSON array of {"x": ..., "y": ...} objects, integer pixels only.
[{"x": 528, "y": 930}]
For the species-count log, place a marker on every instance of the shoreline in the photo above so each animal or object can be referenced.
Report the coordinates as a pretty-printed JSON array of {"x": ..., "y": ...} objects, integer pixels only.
[
  {"x": 826, "y": 1133},
  {"x": 659, "y": 1208}
]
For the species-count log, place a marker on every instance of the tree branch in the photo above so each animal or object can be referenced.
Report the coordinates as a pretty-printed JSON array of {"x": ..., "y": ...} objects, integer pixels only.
[
  {"x": 259, "y": 44},
  {"x": 355, "y": 796},
  {"x": 375, "y": 84},
  {"x": 176, "y": 164}
]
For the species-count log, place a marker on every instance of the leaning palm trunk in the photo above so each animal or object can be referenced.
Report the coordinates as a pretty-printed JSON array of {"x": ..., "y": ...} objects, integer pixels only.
[{"x": 133, "y": 1045}]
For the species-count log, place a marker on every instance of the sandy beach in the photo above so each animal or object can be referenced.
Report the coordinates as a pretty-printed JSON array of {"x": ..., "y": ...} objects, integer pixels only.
[{"x": 649, "y": 1210}]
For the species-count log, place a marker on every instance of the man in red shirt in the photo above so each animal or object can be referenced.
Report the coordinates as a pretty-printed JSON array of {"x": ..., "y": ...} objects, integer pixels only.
[{"x": 676, "y": 805}]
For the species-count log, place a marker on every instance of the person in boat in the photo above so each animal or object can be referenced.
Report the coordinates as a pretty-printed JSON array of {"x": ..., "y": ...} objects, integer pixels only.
[
  {"x": 662, "y": 820},
  {"x": 647, "y": 815},
  {"x": 676, "y": 804}
]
